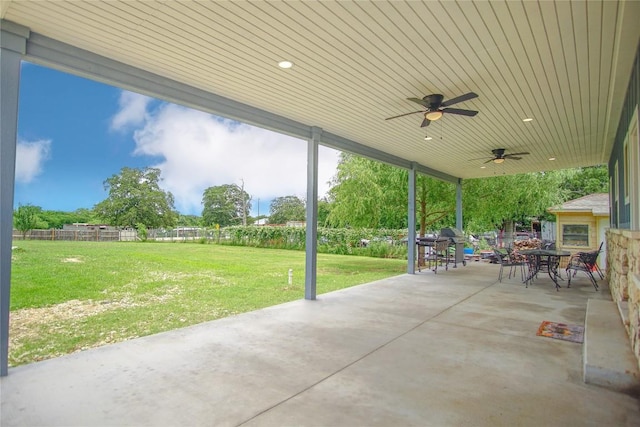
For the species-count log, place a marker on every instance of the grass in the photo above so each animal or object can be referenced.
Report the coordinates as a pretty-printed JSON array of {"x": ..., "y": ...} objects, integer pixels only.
[{"x": 70, "y": 296}]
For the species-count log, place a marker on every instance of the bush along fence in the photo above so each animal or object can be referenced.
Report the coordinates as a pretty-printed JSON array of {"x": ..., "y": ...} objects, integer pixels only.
[{"x": 383, "y": 243}]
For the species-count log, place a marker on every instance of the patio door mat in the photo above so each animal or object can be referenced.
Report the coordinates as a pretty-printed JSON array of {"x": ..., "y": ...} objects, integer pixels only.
[{"x": 561, "y": 331}]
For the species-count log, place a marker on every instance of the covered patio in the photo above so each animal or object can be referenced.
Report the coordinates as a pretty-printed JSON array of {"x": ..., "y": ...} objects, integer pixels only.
[
  {"x": 456, "y": 348},
  {"x": 558, "y": 80}
]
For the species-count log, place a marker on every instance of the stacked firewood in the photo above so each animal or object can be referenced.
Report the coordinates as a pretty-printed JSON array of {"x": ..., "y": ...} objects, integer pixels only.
[{"x": 523, "y": 245}]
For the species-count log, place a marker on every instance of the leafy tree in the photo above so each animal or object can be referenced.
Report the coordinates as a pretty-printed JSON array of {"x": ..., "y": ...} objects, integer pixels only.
[
  {"x": 367, "y": 194},
  {"x": 143, "y": 232},
  {"x": 189, "y": 220},
  {"x": 56, "y": 219},
  {"x": 372, "y": 194},
  {"x": 225, "y": 205},
  {"x": 501, "y": 201},
  {"x": 324, "y": 209},
  {"x": 581, "y": 182},
  {"x": 288, "y": 208},
  {"x": 26, "y": 218},
  {"x": 135, "y": 197},
  {"x": 435, "y": 202}
]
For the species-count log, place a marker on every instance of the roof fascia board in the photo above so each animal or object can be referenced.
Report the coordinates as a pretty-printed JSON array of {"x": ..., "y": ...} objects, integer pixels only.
[{"x": 14, "y": 37}]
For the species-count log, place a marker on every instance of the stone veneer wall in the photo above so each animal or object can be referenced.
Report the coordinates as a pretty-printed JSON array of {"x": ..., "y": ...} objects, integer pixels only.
[{"x": 623, "y": 275}]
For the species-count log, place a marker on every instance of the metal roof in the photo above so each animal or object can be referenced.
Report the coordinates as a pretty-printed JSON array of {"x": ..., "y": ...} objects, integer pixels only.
[{"x": 355, "y": 63}]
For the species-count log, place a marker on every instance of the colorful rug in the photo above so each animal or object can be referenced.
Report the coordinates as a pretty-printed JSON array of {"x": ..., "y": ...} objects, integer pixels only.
[{"x": 561, "y": 331}]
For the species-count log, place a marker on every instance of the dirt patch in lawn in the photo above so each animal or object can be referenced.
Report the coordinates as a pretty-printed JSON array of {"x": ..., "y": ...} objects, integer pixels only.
[{"x": 31, "y": 323}]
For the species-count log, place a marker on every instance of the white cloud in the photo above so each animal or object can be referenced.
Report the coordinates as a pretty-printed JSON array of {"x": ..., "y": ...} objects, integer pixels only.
[
  {"x": 198, "y": 150},
  {"x": 133, "y": 111},
  {"x": 30, "y": 156}
]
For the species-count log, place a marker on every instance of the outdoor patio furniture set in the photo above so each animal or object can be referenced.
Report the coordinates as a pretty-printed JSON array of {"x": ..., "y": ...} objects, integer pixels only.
[{"x": 532, "y": 261}]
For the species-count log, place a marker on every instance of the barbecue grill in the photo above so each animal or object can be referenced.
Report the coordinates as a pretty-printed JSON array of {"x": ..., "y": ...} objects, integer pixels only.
[{"x": 456, "y": 241}]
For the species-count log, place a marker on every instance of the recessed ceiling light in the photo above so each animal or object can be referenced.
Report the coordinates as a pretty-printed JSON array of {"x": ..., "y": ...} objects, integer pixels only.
[
  {"x": 528, "y": 119},
  {"x": 552, "y": 158},
  {"x": 483, "y": 167},
  {"x": 427, "y": 138},
  {"x": 285, "y": 64}
]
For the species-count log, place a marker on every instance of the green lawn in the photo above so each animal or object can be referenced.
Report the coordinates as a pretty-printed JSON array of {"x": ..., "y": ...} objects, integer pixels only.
[{"x": 69, "y": 296}]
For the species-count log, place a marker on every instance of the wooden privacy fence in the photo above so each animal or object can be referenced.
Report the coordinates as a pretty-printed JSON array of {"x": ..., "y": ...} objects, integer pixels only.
[{"x": 78, "y": 235}]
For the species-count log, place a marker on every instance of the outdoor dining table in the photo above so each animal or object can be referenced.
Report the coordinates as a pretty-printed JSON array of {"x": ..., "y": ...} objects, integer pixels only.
[{"x": 539, "y": 259}]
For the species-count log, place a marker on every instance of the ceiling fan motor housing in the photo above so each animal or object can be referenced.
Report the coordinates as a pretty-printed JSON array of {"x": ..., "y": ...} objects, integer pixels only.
[
  {"x": 434, "y": 101},
  {"x": 499, "y": 152}
]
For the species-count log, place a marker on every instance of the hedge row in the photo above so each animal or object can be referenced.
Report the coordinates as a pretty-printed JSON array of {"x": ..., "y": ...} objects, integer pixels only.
[{"x": 367, "y": 242}]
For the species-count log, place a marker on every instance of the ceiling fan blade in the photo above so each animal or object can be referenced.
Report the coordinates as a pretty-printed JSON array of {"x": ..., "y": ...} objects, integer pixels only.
[
  {"x": 419, "y": 101},
  {"x": 480, "y": 158},
  {"x": 469, "y": 113},
  {"x": 425, "y": 122},
  {"x": 512, "y": 157},
  {"x": 461, "y": 98},
  {"x": 405, "y": 114},
  {"x": 490, "y": 160},
  {"x": 517, "y": 154}
]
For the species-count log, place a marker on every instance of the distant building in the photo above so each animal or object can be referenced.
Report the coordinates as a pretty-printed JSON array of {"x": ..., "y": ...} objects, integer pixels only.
[
  {"x": 296, "y": 224},
  {"x": 83, "y": 226},
  {"x": 581, "y": 224}
]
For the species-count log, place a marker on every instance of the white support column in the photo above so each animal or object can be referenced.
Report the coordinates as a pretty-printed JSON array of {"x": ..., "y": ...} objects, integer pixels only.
[
  {"x": 411, "y": 237},
  {"x": 311, "y": 245},
  {"x": 459, "y": 205},
  {"x": 13, "y": 42}
]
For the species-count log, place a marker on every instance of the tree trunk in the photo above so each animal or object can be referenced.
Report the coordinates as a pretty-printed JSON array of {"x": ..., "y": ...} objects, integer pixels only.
[{"x": 509, "y": 228}]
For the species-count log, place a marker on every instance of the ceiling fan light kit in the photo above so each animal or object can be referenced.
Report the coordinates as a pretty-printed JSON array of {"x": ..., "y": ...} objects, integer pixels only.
[
  {"x": 433, "y": 115},
  {"x": 499, "y": 156},
  {"x": 435, "y": 107}
]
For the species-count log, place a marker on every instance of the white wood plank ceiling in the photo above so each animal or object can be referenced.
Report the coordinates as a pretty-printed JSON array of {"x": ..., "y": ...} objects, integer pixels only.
[{"x": 565, "y": 64}]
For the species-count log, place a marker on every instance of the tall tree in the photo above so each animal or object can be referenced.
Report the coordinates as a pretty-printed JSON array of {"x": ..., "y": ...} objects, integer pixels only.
[
  {"x": 367, "y": 194},
  {"x": 324, "y": 209},
  {"x": 435, "y": 202},
  {"x": 581, "y": 182},
  {"x": 500, "y": 201},
  {"x": 135, "y": 198},
  {"x": 26, "y": 218},
  {"x": 371, "y": 194},
  {"x": 288, "y": 208},
  {"x": 225, "y": 205}
]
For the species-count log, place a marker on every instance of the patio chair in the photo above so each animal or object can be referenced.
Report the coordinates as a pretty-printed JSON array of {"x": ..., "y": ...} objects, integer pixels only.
[
  {"x": 595, "y": 267},
  {"x": 582, "y": 261},
  {"x": 437, "y": 254},
  {"x": 511, "y": 261}
]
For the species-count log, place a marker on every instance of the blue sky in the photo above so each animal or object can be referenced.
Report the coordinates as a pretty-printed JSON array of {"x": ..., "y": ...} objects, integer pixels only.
[{"x": 74, "y": 133}]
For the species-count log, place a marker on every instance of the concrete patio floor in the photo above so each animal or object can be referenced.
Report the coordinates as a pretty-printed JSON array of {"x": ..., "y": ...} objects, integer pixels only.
[{"x": 452, "y": 349}]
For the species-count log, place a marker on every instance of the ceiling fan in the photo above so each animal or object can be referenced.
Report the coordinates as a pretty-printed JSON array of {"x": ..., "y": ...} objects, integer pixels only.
[
  {"x": 499, "y": 156},
  {"x": 435, "y": 107}
]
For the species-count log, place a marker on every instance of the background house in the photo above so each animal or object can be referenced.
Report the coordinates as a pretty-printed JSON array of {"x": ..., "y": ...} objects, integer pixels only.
[{"x": 581, "y": 224}]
